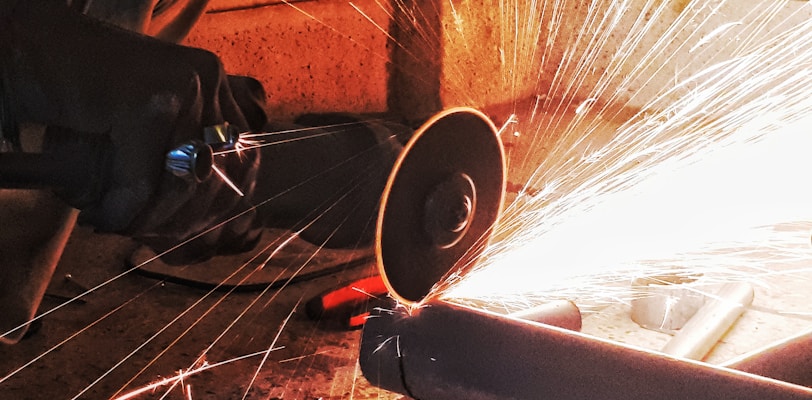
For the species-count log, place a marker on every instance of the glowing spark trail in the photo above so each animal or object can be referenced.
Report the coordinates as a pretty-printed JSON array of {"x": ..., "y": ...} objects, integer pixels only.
[
  {"x": 270, "y": 348},
  {"x": 697, "y": 180},
  {"x": 227, "y": 180},
  {"x": 677, "y": 219},
  {"x": 185, "y": 374},
  {"x": 707, "y": 38},
  {"x": 251, "y": 140},
  {"x": 214, "y": 306}
]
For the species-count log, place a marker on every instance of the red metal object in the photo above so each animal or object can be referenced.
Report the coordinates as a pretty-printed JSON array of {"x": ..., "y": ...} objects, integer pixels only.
[
  {"x": 349, "y": 303},
  {"x": 358, "y": 320}
]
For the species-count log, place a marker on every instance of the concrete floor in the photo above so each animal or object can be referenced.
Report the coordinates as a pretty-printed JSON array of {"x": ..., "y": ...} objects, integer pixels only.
[{"x": 135, "y": 330}]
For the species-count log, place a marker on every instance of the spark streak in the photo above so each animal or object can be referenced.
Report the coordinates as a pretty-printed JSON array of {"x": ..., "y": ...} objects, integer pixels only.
[
  {"x": 185, "y": 374},
  {"x": 718, "y": 31},
  {"x": 227, "y": 180},
  {"x": 697, "y": 179},
  {"x": 252, "y": 140},
  {"x": 270, "y": 348}
]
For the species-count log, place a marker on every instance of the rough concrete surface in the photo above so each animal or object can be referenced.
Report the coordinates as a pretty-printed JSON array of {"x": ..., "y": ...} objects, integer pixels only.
[
  {"x": 415, "y": 58},
  {"x": 310, "y": 56},
  {"x": 134, "y": 331}
]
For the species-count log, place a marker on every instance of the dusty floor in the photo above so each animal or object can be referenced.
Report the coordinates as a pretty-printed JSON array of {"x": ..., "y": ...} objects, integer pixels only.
[{"x": 136, "y": 330}]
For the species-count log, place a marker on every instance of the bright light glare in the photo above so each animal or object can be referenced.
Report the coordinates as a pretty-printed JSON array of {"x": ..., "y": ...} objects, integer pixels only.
[{"x": 702, "y": 217}]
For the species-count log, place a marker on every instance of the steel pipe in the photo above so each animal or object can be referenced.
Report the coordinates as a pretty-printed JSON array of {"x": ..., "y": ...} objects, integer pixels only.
[
  {"x": 562, "y": 313},
  {"x": 788, "y": 360},
  {"x": 444, "y": 351},
  {"x": 711, "y": 322}
]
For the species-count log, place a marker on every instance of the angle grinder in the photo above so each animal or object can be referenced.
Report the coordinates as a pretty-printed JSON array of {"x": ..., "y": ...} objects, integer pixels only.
[{"x": 440, "y": 204}]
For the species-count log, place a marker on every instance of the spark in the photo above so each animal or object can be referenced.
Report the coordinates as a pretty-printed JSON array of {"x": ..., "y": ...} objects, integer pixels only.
[
  {"x": 458, "y": 22},
  {"x": 214, "y": 306},
  {"x": 388, "y": 340},
  {"x": 355, "y": 376},
  {"x": 703, "y": 217},
  {"x": 70, "y": 337},
  {"x": 146, "y": 342},
  {"x": 187, "y": 373},
  {"x": 710, "y": 36},
  {"x": 584, "y": 105},
  {"x": 252, "y": 140},
  {"x": 680, "y": 185},
  {"x": 332, "y": 28},
  {"x": 270, "y": 348},
  {"x": 364, "y": 292},
  {"x": 512, "y": 120},
  {"x": 714, "y": 210},
  {"x": 372, "y": 21},
  {"x": 227, "y": 180},
  {"x": 287, "y": 282},
  {"x": 287, "y": 360},
  {"x": 244, "y": 144}
]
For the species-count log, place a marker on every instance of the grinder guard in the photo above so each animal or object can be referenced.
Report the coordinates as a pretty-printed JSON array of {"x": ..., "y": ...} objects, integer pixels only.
[{"x": 439, "y": 206}]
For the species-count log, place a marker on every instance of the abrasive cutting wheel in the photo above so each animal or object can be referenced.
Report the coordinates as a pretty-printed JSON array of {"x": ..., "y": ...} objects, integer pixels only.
[{"x": 439, "y": 206}]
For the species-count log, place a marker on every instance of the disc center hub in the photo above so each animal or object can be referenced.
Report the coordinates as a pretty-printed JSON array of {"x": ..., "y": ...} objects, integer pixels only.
[{"x": 449, "y": 208}]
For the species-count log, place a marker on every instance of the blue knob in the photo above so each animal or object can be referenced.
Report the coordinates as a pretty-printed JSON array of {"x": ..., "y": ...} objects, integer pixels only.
[{"x": 191, "y": 161}]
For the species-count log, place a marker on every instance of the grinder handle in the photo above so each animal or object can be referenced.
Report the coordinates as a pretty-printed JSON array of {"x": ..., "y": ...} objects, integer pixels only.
[
  {"x": 42, "y": 170},
  {"x": 78, "y": 169}
]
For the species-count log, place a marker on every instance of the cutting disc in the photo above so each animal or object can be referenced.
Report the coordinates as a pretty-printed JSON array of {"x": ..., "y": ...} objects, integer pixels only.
[{"x": 439, "y": 206}]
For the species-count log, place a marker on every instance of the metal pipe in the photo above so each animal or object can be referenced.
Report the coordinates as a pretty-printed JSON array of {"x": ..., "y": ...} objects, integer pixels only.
[
  {"x": 666, "y": 303},
  {"x": 711, "y": 322},
  {"x": 445, "y": 351},
  {"x": 562, "y": 313},
  {"x": 789, "y": 360}
]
